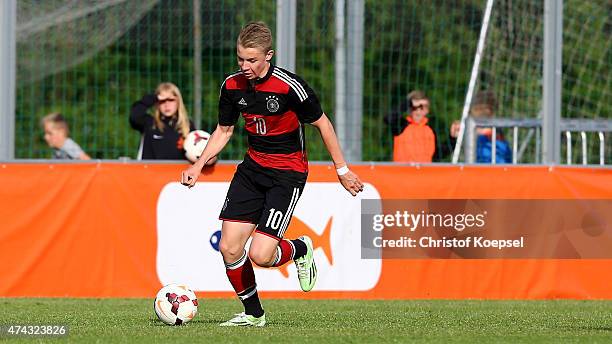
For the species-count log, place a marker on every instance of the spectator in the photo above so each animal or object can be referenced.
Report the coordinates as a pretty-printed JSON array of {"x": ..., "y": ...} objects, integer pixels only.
[
  {"x": 484, "y": 106},
  {"x": 414, "y": 137},
  {"x": 164, "y": 132},
  {"x": 57, "y": 137}
]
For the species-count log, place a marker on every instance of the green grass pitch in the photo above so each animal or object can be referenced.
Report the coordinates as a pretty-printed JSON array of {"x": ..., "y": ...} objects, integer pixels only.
[{"x": 321, "y": 321}]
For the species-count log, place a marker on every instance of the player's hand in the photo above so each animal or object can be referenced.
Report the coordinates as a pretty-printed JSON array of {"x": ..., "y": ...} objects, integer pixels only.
[
  {"x": 190, "y": 176},
  {"x": 351, "y": 183}
]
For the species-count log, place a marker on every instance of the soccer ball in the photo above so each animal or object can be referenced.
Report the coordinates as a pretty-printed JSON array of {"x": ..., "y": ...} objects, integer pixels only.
[
  {"x": 175, "y": 304},
  {"x": 195, "y": 143}
]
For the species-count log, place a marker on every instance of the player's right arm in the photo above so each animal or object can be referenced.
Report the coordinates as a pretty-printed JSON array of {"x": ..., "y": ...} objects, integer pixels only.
[
  {"x": 228, "y": 116},
  {"x": 217, "y": 141}
]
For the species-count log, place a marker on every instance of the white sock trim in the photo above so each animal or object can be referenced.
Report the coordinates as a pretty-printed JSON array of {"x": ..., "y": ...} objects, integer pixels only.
[
  {"x": 240, "y": 262},
  {"x": 292, "y": 249},
  {"x": 251, "y": 293},
  {"x": 278, "y": 255}
]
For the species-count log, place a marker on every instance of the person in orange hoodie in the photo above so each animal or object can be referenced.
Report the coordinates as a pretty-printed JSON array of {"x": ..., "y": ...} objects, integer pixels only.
[{"x": 414, "y": 139}]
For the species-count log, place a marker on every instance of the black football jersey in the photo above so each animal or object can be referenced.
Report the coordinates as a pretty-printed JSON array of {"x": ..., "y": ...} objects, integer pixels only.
[{"x": 275, "y": 109}]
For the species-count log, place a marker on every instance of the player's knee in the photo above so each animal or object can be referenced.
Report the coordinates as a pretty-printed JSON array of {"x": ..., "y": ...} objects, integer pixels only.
[
  {"x": 230, "y": 252},
  {"x": 261, "y": 258}
]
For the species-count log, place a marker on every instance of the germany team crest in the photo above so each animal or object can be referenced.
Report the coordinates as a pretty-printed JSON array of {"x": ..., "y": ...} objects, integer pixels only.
[{"x": 272, "y": 103}]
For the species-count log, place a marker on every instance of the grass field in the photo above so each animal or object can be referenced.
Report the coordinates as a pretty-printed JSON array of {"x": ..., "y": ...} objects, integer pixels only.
[{"x": 328, "y": 321}]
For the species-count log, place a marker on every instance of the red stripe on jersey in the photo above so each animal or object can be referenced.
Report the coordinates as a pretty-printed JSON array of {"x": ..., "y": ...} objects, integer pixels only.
[
  {"x": 273, "y": 125},
  {"x": 293, "y": 161},
  {"x": 236, "y": 82},
  {"x": 232, "y": 220},
  {"x": 274, "y": 85}
]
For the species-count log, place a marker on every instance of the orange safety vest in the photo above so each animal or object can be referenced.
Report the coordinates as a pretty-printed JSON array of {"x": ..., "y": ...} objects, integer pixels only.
[{"x": 417, "y": 143}]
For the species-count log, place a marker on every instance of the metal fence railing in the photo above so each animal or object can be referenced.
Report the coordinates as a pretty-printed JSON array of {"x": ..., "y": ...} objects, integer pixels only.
[{"x": 596, "y": 152}]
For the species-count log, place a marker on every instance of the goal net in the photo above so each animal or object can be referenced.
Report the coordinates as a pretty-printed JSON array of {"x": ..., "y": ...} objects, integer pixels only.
[{"x": 71, "y": 30}]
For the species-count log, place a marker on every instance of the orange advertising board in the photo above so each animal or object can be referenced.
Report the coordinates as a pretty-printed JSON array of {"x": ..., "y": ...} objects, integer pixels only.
[{"x": 106, "y": 229}]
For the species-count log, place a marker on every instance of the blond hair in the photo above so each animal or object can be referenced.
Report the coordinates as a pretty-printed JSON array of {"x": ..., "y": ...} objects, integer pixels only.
[
  {"x": 57, "y": 120},
  {"x": 182, "y": 122},
  {"x": 417, "y": 95},
  {"x": 255, "y": 35}
]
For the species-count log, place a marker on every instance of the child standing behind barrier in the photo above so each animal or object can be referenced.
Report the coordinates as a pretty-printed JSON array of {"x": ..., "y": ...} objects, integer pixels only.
[
  {"x": 57, "y": 137},
  {"x": 414, "y": 139},
  {"x": 484, "y": 105}
]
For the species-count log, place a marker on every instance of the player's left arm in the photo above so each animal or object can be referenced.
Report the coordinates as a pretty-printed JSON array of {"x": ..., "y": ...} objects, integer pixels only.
[
  {"x": 308, "y": 109},
  {"x": 347, "y": 178}
]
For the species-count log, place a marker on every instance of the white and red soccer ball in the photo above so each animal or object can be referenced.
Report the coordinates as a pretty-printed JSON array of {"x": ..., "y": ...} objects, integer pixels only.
[
  {"x": 175, "y": 304},
  {"x": 194, "y": 144}
]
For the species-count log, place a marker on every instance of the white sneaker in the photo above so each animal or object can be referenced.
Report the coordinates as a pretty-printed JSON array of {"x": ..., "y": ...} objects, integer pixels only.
[{"x": 242, "y": 319}]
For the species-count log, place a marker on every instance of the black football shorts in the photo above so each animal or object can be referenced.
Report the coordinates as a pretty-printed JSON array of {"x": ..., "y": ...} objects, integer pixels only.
[{"x": 263, "y": 196}]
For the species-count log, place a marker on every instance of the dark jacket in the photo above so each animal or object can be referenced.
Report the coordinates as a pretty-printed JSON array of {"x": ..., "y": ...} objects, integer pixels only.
[{"x": 156, "y": 144}]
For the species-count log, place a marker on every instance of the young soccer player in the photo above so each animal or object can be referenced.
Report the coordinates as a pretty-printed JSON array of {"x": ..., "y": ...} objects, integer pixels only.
[{"x": 268, "y": 183}]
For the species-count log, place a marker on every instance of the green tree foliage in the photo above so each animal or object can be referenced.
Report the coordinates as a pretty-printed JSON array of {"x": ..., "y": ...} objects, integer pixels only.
[{"x": 427, "y": 45}]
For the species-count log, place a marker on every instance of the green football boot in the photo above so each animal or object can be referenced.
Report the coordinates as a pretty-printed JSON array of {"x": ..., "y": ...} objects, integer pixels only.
[
  {"x": 242, "y": 319},
  {"x": 306, "y": 268}
]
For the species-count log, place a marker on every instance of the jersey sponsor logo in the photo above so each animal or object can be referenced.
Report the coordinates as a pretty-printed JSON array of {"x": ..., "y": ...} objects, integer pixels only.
[
  {"x": 325, "y": 212},
  {"x": 158, "y": 137},
  {"x": 242, "y": 102},
  {"x": 272, "y": 103}
]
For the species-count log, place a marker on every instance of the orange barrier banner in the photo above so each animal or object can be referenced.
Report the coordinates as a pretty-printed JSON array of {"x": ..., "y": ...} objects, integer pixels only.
[{"x": 105, "y": 229}]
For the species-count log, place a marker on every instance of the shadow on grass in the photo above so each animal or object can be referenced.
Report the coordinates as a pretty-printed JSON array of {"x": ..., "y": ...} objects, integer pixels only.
[
  {"x": 207, "y": 321},
  {"x": 596, "y": 328}
]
